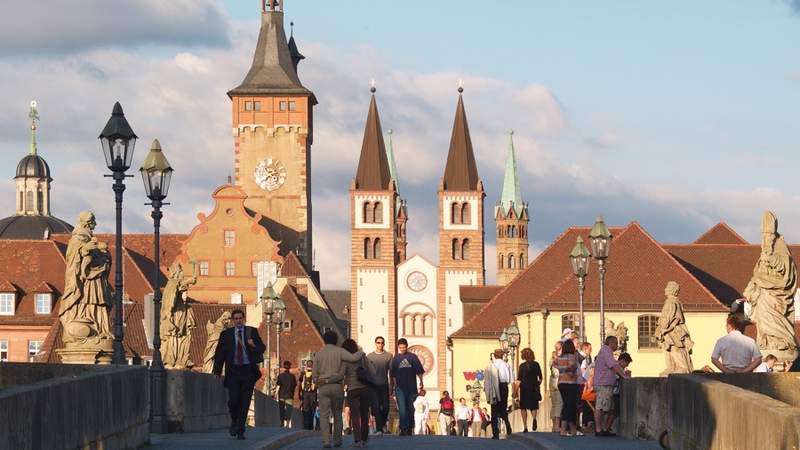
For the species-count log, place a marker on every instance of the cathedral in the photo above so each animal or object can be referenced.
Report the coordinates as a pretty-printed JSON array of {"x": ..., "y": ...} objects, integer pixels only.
[{"x": 399, "y": 296}]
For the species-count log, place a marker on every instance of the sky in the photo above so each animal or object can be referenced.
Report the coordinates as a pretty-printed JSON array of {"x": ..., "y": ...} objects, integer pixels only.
[{"x": 673, "y": 114}]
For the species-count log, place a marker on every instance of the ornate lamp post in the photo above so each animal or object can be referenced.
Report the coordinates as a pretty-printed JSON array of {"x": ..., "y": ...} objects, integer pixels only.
[
  {"x": 579, "y": 257},
  {"x": 268, "y": 297},
  {"x": 156, "y": 174},
  {"x": 278, "y": 316},
  {"x": 118, "y": 142},
  {"x": 513, "y": 344},
  {"x": 600, "y": 239},
  {"x": 504, "y": 343}
]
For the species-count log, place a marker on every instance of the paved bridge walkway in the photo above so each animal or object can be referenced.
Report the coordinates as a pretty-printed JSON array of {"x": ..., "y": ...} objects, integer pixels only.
[{"x": 262, "y": 438}]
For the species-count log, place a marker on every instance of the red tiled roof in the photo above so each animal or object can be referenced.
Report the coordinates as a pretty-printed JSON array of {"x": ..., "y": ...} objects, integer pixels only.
[
  {"x": 636, "y": 273},
  {"x": 721, "y": 233},
  {"x": 543, "y": 275},
  {"x": 478, "y": 293},
  {"x": 7, "y": 286},
  {"x": 293, "y": 267},
  {"x": 24, "y": 267}
]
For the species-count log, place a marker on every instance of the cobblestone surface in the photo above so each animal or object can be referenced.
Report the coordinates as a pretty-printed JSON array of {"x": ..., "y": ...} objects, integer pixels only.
[{"x": 416, "y": 443}]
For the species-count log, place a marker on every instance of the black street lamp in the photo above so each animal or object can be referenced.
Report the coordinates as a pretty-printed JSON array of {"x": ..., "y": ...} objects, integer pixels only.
[
  {"x": 118, "y": 141},
  {"x": 600, "y": 239},
  {"x": 513, "y": 334},
  {"x": 268, "y": 299},
  {"x": 579, "y": 257},
  {"x": 156, "y": 174}
]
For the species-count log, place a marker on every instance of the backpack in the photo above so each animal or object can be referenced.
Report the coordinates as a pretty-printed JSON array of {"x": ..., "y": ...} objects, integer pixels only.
[{"x": 447, "y": 403}]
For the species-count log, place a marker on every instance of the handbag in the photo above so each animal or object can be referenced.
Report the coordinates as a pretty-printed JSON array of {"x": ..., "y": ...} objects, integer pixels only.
[{"x": 588, "y": 393}]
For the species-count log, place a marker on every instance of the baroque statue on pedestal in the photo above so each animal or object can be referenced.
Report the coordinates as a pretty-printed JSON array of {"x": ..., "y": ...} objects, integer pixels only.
[
  {"x": 672, "y": 333},
  {"x": 213, "y": 329},
  {"x": 86, "y": 300},
  {"x": 771, "y": 293},
  {"x": 177, "y": 320}
]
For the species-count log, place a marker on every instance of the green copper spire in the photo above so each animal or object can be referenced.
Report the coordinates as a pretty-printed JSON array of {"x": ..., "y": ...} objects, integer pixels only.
[
  {"x": 392, "y": 166},
  {"x": 512, "y": 194},
  {"x": 34, "y": 116}
]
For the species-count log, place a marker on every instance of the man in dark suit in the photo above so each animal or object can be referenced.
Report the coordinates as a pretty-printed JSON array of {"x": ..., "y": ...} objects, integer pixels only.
[{"x": 240, "y": 350}]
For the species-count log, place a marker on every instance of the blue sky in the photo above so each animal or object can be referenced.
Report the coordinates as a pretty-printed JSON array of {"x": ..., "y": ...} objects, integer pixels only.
[{"x": 675, "y": 114}]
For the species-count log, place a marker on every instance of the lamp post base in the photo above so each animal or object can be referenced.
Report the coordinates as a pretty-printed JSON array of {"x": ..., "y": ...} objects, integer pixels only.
[{"x": 158, "y": 390}]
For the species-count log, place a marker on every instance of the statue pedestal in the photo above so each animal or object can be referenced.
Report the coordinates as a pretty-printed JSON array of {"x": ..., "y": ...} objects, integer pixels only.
[{"x": 87, "y": 353}]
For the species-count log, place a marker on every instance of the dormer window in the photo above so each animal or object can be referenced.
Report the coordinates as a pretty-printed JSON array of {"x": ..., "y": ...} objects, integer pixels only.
[
  {"x": 7, "y": 303},
  {"x": 44, "y": 303}
]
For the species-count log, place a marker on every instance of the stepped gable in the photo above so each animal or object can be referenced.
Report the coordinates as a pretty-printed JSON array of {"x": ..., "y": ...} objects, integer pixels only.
[
  {"x": 721, "y": 233},
  {"x": 638, "y": 269},
  {"x": 541, "y": 276}
]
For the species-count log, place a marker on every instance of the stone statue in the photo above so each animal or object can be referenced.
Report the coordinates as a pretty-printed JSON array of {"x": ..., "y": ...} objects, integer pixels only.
[
  {"x": 213, "y": 329},
  {"x": 672, "y": 333},
  {"x": 177, "y": 320},
  {"x": 771, "y": 293},
  {"x": 621, "y": 332},
  {"x": 86, "y": 301}
]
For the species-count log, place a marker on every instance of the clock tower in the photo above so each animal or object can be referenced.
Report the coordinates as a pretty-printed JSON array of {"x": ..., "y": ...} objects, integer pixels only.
[{"x": 272, "y": 132}]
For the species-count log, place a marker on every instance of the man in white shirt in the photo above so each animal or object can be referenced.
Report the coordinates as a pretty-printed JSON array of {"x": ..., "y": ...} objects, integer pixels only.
[
  {"x": 735, "y": 352},
  {"x": 498, "y": 376},
  {"x": 462, "y": 417},
  {"x": 768, "y": 365}
]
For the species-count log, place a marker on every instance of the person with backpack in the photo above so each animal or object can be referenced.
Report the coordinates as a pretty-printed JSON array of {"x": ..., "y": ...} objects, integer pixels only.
[
  {"x": 358, "y": 379},
  {"x": 446, "y": 411},
  {"x": 308, "y": 396}
]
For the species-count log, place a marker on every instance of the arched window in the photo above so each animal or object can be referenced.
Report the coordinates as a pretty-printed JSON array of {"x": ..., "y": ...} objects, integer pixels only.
[
  {"x": 456, "y": 249},
  {"x": 646, "y": 324},
  {"x": 571, "y": 321},
  {"x": 377, "y": 213},
  {"x": 500, "y": 261},
  {"x": 465, "y": 213},
  {"x": 418, "y": 324},
  {"x": 513, "y": 231},
  {"x": 376, "y": 248},
  {"x": 465, "y": 249},
  {"x": 39, "y": 201},
  {"x": 367, "y": 213},
  {"x": 508, "y": 231},
  {"x": 521, "y": 261},
  {"x": 29, "y": 201},
  {"x": 455, "y": 213},
  {"x": 408, "y": 325},
  {"x": 500, "y": 231},
  {"x": 512, "y": 262},
  {"x": 367, "y": 248},
  {"x": 428, "y": 325}
]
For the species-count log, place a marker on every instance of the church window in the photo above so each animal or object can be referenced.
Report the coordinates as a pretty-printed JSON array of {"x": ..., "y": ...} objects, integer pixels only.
[
  {"x": 418, "y": 325},
  {"x": 408, "y": 325},
  {"x": 43, "y": 303},
  {"x": 428, "y": 325},
  {"x": 21, "y": 200},
  {"x": 465, "y": 249},
  {"x": 39, "y": 201},
  {"x": 283, "y": 105},
  {"x": 449, "y": 322},
  {"x": 500, "y": 231},
  {"x": 7, "y": 304},
  {"x": 230, "y": 238},
  {"x": 248, "y": 105},
  {"x": 361, "y": 305},
  {"x": 500, "y": 261},
  {"x": 376, "y": 248},
  {"x": 362, "y": 328},
  {"x": 292, "y": 105},
  {"x": 256, "y": 106},
  {"x": 367, "y": 248},
  {"x": 455, "y": 213},
  {"x": 360, "y": 281},
  {"x": 203, "y": 268},
  {"x": 571, "y": 321},
  {"x": 230, "y": 268},
  {"x": 449, "y": 300},
  {"x": 29, "y": 201},
  {"x": 367, "y": 213},
  {"x": 383, "y": 299},
  {"x": 521, "y": 261},
  {"x": 513, "y": 231},
  {"x": 377, "y": 213},
  {"x": 383, "y": 321},
  {"x": 510, "y": 261},
  {"x": 647, "y": 331},
  {"x": 287, "y": 325},
  {"x": 4, "y": 350},
  {"x": 456, "y": 248},
  {"x": 33, "y": 349},
  {"x": 465, "y": 213}
]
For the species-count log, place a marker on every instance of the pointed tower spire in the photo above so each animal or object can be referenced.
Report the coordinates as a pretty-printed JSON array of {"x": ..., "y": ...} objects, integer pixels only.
[
  {"x": 392, "y": 165},
  {"x": 273, "y": 70},
  {"x": 293, "y": 51},
  {"x": 34, "y": 116},
  {"x": 461, "y": 171},
  {"x": 373, "y": 166},
  {"x": 512, "y": 194}
]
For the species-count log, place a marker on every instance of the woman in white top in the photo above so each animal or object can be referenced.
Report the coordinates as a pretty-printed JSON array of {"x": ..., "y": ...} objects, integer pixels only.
[{"x": 421, "y": 408}]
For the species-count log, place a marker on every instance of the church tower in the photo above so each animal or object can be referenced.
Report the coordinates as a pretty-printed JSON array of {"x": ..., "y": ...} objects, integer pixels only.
[
  {"x": 374, "y": 206},
  {"x": 461, "y": 234},
  {"x": 273, "y": 132},
  {"x": 401, "y": 213},
  {"x": 511, "y": 218}
]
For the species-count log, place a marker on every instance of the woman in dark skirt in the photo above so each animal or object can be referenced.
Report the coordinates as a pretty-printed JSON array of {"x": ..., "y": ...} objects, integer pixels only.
[{"x": 529, "y": 380}]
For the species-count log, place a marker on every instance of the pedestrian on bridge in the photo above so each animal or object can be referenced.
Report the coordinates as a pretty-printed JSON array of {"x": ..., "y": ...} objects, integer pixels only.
[
  {"x": 404, "y": 371},
  {"x": 240, "y": 351}
]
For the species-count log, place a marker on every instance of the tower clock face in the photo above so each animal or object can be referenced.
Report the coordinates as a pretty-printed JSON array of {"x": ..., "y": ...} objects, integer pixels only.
[
  {"x": 269, "y": 174},
  {"x": 417, "y": 281}
]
